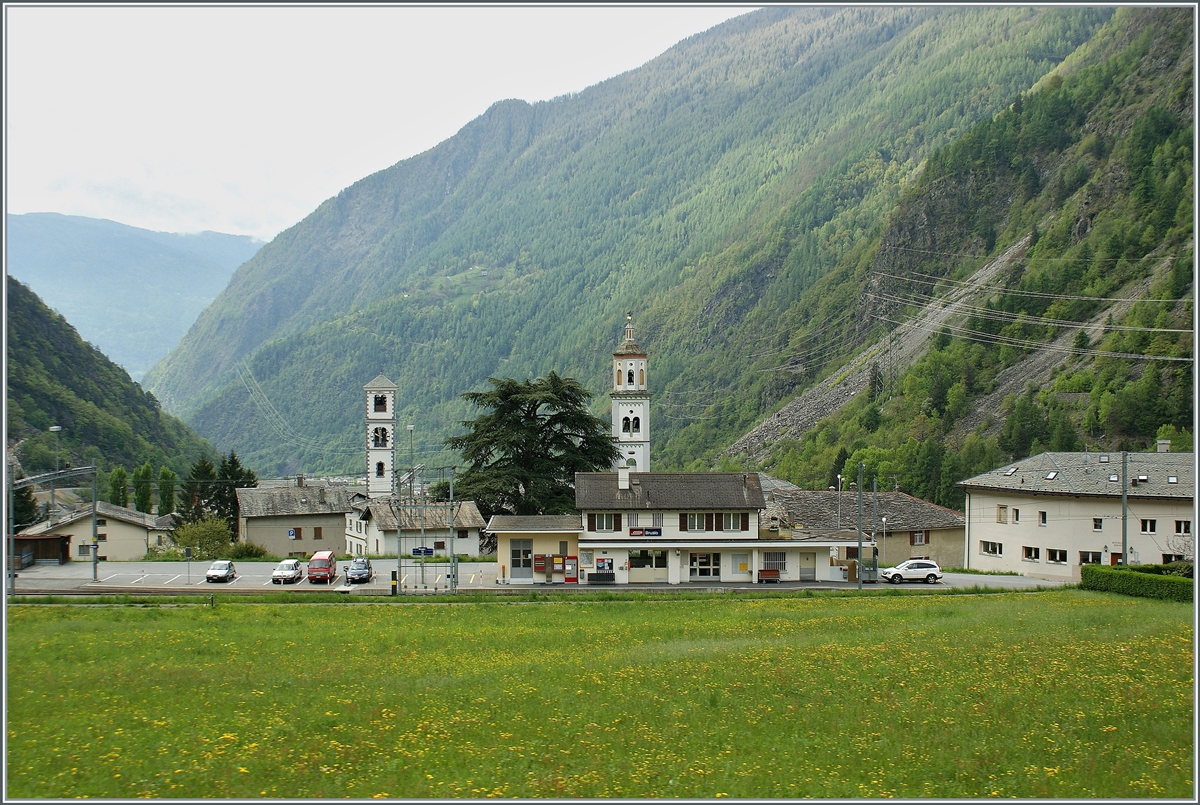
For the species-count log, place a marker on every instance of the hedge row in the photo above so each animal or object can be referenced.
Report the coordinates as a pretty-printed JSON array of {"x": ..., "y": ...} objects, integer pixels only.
[{"x": 1131, "y": 582}]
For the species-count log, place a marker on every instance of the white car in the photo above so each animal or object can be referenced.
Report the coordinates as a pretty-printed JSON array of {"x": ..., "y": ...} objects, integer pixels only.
[
  {"x": 925, "y": 570},
  {"x": 289, "y": 570}
]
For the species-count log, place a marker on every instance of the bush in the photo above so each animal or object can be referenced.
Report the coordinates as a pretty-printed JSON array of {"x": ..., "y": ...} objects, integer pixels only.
[
  {"x": 248, "y": 550},
  {"x": 1143, "y": 583},
  {"x": 208, "y": 538}
]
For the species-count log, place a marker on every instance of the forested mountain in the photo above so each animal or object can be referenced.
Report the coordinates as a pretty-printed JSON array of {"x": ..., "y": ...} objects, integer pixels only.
[
  {"x": 55, "y": 378},
  {"x": 131, "y": 292},
  {"x": 732, "y": 194}
]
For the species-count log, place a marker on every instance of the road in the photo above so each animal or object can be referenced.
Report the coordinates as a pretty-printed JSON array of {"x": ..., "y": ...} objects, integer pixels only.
[{"x": 178, "y": 577}]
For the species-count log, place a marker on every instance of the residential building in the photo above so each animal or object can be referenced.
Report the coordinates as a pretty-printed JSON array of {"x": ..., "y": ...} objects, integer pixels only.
[
  {"x": 394, "y": 526},
  {"x": 905, "y": 527},
  {"x": 1047, "y": 515},
  {"x": 296, "y": 520},
  {"x": 121, "y": 534}
]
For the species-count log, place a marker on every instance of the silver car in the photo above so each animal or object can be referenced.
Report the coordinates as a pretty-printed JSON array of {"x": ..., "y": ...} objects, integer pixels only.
[
  {"x": 221, "y": 570},
  {"x": 289, "y": 571},
  {"x": 925, "y": 570}
]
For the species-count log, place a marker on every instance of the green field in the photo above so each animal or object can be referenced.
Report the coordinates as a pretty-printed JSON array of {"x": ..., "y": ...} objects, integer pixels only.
[{"x": 1061, "y": 694}]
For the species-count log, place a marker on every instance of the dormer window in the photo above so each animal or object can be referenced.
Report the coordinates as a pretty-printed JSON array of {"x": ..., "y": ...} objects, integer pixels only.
[
  {"x": 1011, "y": 470},
  {"x": 1050, "y": 476},
  {"x": 381, "y": 403}
]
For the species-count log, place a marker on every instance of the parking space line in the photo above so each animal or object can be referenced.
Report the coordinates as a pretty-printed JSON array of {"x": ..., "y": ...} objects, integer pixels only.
[
  {"x": 113, "y": 576},
  {"x": 168, "y": 581}
]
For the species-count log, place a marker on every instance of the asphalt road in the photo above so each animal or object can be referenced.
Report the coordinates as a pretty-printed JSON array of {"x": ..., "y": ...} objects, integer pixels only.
[{"x": 179, "y": 577}]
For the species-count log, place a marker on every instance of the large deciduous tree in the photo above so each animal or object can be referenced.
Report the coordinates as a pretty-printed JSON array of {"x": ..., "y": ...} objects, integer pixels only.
[
  {"x": 523, "y": 453},
  {"x": 208, "y": 537}
]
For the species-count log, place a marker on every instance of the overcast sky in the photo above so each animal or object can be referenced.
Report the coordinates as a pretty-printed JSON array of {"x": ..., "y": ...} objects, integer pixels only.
[{"x": 242, "y": 119}]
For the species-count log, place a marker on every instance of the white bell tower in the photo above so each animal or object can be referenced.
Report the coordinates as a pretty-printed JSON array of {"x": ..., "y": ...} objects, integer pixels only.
[
  {"x": 631, "y": 403},
  {"x": 381, "y": 437}
]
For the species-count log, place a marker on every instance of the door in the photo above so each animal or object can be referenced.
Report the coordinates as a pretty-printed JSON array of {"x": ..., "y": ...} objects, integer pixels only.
[
  {"x": 704, "y": 566},
  {"x": 1114, "y": 559},
  {"x": 808, "y": 567},
  {"x": 521, "y": 558}
]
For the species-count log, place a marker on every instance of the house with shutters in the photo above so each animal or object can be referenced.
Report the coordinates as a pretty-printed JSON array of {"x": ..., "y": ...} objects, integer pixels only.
[
  {"x": 1047, "y": 515},
  {"x": 377, "y": 526},
  {"x": 121, "y": 534},
  {"x": 295, "y": 521},
  {"x": 903, "y": 526}
]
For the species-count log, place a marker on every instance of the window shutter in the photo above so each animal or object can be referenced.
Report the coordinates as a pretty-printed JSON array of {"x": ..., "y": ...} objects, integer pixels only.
[
  {"x": 617, "y": 521},
  {"x": 591, "y": 521},
  {"x": 912, "y": 540},
  {"x": 745, "y": 521},
  {"x": 299, "y": 532},
  {"x": 720, "y": 521},
  {"x": 708, "y": 521},
  {"x": 683, "y": 521}
]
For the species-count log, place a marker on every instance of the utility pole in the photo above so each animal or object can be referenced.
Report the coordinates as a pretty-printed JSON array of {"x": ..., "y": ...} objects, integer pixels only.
[
  {"x": 12, "y": 542},
  {"x": 54, "y": 429},
  {"x": 1124, "y": 507},
  {"x": 860, "y": 556}
]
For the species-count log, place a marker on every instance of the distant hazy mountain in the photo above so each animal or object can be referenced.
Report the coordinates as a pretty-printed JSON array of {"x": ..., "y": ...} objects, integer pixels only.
[{"x": 131, "y": 292}]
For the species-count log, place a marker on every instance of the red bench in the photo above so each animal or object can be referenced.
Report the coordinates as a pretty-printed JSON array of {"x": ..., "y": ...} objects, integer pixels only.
[{"x": 768, "y": 575}]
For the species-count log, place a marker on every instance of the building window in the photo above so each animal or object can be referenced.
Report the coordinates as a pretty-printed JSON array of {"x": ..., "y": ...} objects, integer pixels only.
[
  {"x": 917, "y": 538},
  {"x": 775, "y": 560},
  {"x": 159, "y": 541},
  {"x": 1001, "y": 514},
  {"x": 625, "y": 425},
  {"x": 380, "y": 403},
  {"x": 656, "y": 520},
  {"x": 727, "y": 521},
  {"x": 695, "y": 521},
  {"x": 1041, "y": 518},
  {"x": 1168, "y": 558},
  {"x": 1149, "y": 526},
  {"x": 630, "y": 378},
  {"x": 439, "y": 544},
  {"x": 85, "y": 550},
  {"x": 1056, "y": 556},
  {"x": 101, "y": 521},
  {"x": 1183, "y": 526},
  {"x": 618, "y": 377},
  {"x": 637, "y": 424},
  {"x": 102, "y": 537},
  {"x": 604, "y": 522},
  {"x": 316, "y": 532},
  {"x": 1016, "y": 515},
  {"x": 1097, "y": 523},
  {"x": 1031, "y": 554},
  {"x": 633, "y": 520},
  {"x": 462, "y": 533},
  {"x": 379, "y": 469},
  {"x": 379, "y": 437},
  {"x": 991, "y": 548},
  {"x": 647, "y": 559},
  {"x": 1089, "y": 557}
]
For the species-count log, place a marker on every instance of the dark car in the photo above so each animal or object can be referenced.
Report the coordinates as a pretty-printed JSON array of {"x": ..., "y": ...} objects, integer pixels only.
[
  {"x": 360, "y": 571},
  {"x": 221, "y": 570}
]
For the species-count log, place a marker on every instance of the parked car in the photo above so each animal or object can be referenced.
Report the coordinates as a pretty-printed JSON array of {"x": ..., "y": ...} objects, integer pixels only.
[
  {"x": 221, "y": 570},
  {"x": 322, "y": 567},
  {"x": 288, "y": 571},
  {"x": 360, "y": 570},
  {"x": 913, "y": 570}
]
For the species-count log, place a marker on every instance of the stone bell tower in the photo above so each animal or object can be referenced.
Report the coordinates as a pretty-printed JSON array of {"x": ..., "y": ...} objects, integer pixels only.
[
  {"x": 381, "y": 437},
  {"x": 631, "y": 403}
]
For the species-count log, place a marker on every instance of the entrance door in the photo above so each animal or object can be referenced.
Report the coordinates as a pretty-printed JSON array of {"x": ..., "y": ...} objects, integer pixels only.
[
  {"x": 522, "y": 559},
  {"x": 704, "y": 566},
  {"x": 1114, "y": 559},
  {"x": 808, "y": 567}
]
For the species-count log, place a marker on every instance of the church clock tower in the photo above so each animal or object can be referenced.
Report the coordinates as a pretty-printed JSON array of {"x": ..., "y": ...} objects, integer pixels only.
[
  {"x": 631, "y": 403},
  {"x": 381, "y": 437}
]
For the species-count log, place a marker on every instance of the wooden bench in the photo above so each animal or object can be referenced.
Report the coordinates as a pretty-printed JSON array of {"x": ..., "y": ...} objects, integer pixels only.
[
  {"x": 602, "y": 577},
  {"x": 768, "y": 575}
]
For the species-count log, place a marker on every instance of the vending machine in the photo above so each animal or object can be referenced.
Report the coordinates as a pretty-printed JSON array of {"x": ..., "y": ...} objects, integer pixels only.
[{"x": 571, "y": 570}]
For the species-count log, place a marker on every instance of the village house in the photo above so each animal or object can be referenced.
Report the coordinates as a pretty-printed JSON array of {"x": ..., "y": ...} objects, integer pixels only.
[
  {"x": 294, "y": 521},
  {"x": 904, "y": 527},
  {"x": 1047, "y": 515},
  {"x": 393, "y": 526},
  {"x": 121, "y": 534}
]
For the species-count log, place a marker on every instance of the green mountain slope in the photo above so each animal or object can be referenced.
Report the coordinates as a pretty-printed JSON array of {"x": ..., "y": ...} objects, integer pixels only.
[
  {"x": 517, "y": 246},
  {"x": 1084, "y": 340},
  {"x": 131, "y": 292},
  {"x": 55, "y": 378}
]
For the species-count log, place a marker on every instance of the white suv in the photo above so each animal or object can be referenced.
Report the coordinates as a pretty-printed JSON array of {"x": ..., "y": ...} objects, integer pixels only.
[{"x": 913, "y": 570}]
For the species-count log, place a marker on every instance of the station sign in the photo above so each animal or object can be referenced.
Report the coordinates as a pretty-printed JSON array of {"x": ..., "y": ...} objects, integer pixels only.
[{"x": 645, "y": 532}]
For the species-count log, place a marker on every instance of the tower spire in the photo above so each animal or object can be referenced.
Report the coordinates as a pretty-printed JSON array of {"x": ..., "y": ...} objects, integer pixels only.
[{"x": 631, "y": 402}]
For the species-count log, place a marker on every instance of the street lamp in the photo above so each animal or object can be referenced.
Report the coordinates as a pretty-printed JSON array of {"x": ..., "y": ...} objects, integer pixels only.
[
  {"x": 839, "y": 489},
  {"x": 411, "y": 463},
  {"x": 55, "y": 430}
]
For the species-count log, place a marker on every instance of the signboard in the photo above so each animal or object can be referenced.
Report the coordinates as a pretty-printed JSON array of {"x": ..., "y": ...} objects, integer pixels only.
[
  {"x": 645, "y": 532},
  {"x": 291, "y": 533},
  {"x": 422, "y": 552}
]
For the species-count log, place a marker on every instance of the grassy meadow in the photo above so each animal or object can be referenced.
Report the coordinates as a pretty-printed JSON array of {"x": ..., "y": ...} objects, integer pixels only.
[{"x": 1058, "y": 694}]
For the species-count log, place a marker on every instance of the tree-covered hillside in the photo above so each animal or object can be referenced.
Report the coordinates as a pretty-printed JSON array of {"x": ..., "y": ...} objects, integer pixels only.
[
  {"x": 55, "y": 378},
  {"x": 1086, "y": 340},
  {"x": 706, "y": 192}
]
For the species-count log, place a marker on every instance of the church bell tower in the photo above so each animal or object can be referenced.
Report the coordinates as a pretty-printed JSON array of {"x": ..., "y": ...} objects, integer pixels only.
[
  {"x": 381, "y": 437},
  {"x": 631, "y": 403}
]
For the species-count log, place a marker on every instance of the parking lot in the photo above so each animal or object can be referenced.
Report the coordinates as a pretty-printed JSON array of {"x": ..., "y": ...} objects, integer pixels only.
[{"x": 182, "y": 577}]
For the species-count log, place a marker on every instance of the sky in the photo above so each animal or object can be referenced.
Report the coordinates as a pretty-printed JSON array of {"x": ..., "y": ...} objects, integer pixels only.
[{"x": 242, "y": 119}]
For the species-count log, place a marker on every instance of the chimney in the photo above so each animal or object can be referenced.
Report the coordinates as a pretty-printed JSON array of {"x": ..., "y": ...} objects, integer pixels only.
[
  {"x": 1164, "y": 445},
  {"x": 299, "y": 480},
  {"x": 622, "y": 477},
  {"x": 321, "y": 494}
]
